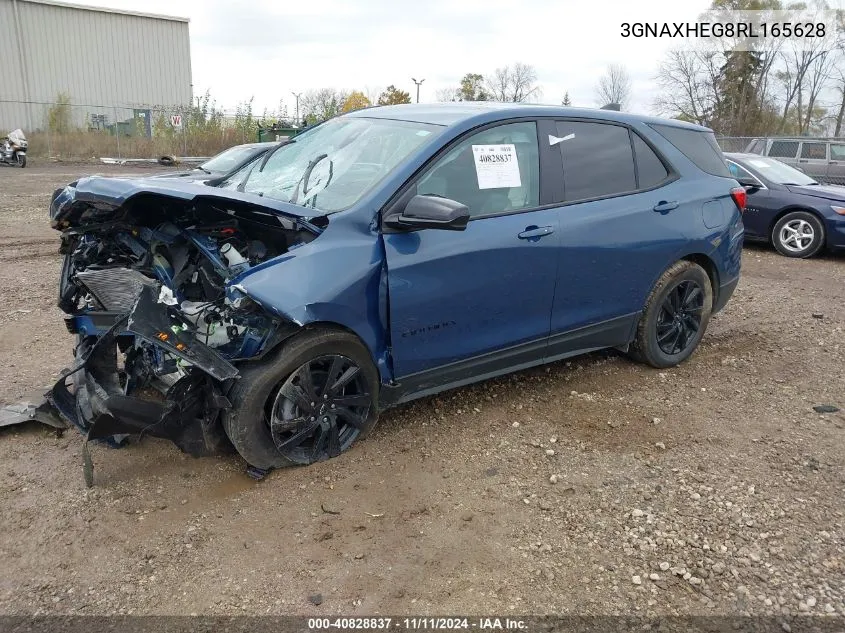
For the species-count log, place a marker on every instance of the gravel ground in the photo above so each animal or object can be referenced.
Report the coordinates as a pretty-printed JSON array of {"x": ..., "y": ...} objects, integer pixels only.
[{"x": 595, "y": 486}]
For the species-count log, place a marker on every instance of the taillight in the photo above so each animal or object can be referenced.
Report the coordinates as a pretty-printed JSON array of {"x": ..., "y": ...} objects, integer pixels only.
[{"x": 740, "y": 197}]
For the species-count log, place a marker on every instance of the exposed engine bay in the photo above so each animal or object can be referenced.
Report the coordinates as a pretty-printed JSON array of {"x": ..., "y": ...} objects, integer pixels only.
[{"x": 150, "y": 287}]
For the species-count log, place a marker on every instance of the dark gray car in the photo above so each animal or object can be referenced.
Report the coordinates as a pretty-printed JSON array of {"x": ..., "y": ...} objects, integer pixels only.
[{"x": 225, "y": 163}]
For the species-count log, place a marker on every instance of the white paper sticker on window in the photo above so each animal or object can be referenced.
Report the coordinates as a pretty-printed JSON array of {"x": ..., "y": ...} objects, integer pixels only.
[
  {"x": 496, "y": 166},
  {"x": 554, "y": 140},
  {"x": 759, "y": 164}
]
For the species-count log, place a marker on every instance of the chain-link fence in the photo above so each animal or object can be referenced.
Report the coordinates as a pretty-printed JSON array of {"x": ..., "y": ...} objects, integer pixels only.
[
  {"x": 81, "y": 132},
  {"x": 821, "y": 158}
]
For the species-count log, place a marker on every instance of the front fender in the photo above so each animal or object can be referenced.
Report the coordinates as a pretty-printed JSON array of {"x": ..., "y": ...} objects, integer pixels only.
[{"x": 338, "y": 278}]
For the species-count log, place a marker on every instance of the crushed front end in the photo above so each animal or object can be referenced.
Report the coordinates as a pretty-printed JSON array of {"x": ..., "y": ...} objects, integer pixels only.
[{"x": 150, "y": 287}]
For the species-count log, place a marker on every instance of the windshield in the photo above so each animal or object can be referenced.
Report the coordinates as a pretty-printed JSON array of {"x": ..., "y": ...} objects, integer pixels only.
[
  {"x": 231, "y": 159},
  {"x": 779, "y": 172},
  {"x": 333, "y": 165}
]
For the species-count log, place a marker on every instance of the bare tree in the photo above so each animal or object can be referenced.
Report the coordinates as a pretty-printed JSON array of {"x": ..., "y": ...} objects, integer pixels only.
[
  {"x": 515, "y": 83},
  {"x": 322, "y": 104},
  {"x": 840, "y": 117},
  {"x": 614, "y": 86},
  {"x": 818, "y": 75},
  {"x": 687, "y": 87},
  {"x": 446, "y": 94}
]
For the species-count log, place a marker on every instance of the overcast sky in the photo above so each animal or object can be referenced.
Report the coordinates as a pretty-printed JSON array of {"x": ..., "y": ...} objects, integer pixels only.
[{"x": 268, "y": 48}]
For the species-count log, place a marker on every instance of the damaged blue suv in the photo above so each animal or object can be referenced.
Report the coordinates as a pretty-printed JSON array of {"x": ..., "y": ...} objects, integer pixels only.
[{"x": 382, "y": 256}]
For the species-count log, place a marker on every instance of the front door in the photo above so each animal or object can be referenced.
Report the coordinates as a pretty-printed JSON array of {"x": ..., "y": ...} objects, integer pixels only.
[{"x": 478, "y": 301}]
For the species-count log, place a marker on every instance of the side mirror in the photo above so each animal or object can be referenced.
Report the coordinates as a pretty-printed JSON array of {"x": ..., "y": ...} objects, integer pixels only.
[
  {"x": 431, "y": 212},
  {"x": 748, "y": 183}
]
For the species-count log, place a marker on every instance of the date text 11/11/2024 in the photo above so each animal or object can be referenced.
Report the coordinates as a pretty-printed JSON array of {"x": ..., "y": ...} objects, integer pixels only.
[
  {"x": 417, "y": 624},
  {"x": 724, "y": 29}
]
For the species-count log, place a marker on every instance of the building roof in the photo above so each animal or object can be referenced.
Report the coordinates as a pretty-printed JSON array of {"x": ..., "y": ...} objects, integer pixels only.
[
  {"x": 84, "y": 7},
  {"x": 456, "y": 112}
]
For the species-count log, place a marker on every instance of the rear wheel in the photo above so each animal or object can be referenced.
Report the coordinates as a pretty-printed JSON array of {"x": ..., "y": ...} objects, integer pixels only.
[
  {"x": 798, "y": 234},
  {"x": 310, "y": 402},
  {"x": 675, "y": 316}
]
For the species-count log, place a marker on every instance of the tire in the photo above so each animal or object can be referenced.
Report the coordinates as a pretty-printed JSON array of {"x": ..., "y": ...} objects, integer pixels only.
[
  {"x": 785, "y": 234},
  {"x": 655, "y": 342},
  {"x": 22, "y": 161},
  {"x": 259, "y": 409}
]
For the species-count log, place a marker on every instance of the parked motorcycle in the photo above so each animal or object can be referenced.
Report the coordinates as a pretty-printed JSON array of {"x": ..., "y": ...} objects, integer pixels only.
[{"x": 13, "y": 149}]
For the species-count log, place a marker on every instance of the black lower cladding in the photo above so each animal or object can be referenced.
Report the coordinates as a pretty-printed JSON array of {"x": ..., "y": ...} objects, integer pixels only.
[{"x": 91, "y": 396}]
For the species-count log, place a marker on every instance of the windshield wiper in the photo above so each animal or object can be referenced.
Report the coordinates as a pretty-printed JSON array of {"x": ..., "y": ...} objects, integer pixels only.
[
  {"x": 798, "y": 184},
  {"x": 201, "y": 168},
  {"x": 273, "y": 151},
  {"x": 305, "y": 176}
]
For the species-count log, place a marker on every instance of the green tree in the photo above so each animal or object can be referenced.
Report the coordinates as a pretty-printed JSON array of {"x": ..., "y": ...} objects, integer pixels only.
[
  {"x": 355, "y": 101},
  {"x": 393, "y": 95},
  {"x": 58, "y": 117},
  {"x": 566, "y": 100},
  {"x": 472, "y": 88}
]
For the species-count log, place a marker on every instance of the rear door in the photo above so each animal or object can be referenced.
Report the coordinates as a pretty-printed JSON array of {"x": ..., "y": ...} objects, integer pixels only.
[
  {"x": 813, "y": 159},
  {"x": 836, "y": 164},
  {"x": 785, "y": 151},
  {"x": 622, "y": 219}
]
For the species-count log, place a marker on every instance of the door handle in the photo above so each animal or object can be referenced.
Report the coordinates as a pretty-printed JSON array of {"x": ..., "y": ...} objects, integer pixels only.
[
  {"x": 535, "y": 232},
  {"x": 803, "y": 160},
  {"x": 665, "y": 207}
]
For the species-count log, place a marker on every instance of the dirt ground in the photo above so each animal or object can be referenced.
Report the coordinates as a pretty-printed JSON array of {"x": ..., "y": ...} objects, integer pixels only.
[{"x": 596, "y": 486}]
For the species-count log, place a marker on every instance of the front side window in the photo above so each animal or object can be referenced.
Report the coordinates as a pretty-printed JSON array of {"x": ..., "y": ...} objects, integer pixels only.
[
  {"x": 814, "y": 150},
  {"x": 493, "y": 171},
  {"x": 597, "y": 159},
  {"x": 837, "y": 152},
  {"x": 333, "y": 165}
]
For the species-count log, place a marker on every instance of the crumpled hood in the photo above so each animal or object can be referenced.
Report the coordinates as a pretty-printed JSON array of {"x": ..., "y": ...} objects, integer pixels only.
[
  {"x": 829, "y": 192},
  {"x": 104, "y": 193}
]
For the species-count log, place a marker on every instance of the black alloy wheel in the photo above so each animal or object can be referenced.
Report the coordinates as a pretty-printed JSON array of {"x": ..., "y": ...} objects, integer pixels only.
[
  {"x": 680, "y": 317},
  {"x": 320, "y": 409}
]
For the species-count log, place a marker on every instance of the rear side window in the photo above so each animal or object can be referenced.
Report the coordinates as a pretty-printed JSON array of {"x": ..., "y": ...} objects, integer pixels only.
[
  {"x": 783, "y": 149},
  {"x": 700, "y": 147},
  {"x": 837, "y": 152},
  {"x": 597, "y": 160},
  {"x": 814, "y": 150},
  {"x": 650, "y": 169}
]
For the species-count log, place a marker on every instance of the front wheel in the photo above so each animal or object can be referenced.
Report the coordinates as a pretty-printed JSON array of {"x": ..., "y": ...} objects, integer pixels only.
[
  {"x": 311, "y": 401},
  {"x": 21, "y": 161},
  {"x": 675, "y": 316},
  {"x": 798, "y": 234}
]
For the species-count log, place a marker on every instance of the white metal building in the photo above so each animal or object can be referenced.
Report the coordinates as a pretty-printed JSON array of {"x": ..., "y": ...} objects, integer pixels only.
[{"x": 110, "y": 63}]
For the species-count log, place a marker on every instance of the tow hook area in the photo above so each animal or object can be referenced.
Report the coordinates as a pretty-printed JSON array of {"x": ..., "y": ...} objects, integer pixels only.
[{"x": 110, "y": 400}]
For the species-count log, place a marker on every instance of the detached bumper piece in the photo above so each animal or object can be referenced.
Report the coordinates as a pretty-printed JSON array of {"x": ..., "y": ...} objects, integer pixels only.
[{"x": 105, "y": 403}]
